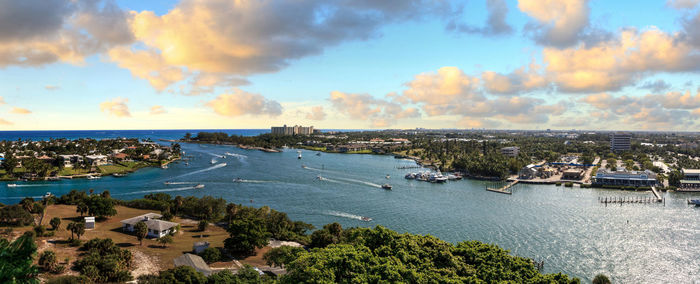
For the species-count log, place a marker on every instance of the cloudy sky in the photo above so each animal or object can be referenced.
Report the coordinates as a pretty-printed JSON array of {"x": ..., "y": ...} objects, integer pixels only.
[{"x": 350, "y": 64}]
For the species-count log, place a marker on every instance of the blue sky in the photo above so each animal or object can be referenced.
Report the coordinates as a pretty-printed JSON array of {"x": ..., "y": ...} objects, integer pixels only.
[{"x": 251, "y": 64}]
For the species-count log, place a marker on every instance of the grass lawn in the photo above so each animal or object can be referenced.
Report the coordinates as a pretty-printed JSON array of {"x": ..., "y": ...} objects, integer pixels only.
[
  {"x": 360, "y": 152},
  {"x": 314, "y": 148}
]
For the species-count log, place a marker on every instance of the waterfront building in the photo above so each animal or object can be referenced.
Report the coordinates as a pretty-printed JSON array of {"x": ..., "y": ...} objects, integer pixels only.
[
  {"x": 528, "y": 172},
  {"x": 691, "y": 179},
  {"x": 625, "y": 178},
  {"x": 156, "y": 228},
  {"x": 620, "y": 141},
  {"x": 572, "y": 174},
  {"x": 510, "y": 151},
  {"x": 292, "y": 130}
]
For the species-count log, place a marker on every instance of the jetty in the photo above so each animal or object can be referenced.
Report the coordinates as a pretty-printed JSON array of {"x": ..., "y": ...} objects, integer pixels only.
[
  {"x": 629, "y": 200},
  {"x": 656, "y": 193},
  {"x": 504, "y": 189}
]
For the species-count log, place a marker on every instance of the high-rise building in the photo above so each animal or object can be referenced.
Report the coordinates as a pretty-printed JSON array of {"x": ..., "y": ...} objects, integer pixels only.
[
  {"x": 292, "y": 130},
  {"x": 620, "y": 141},
  {"x": 510, "y": 151}
]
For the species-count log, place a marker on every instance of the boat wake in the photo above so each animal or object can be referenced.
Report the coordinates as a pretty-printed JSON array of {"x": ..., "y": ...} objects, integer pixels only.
[
  {"x": 331, "y": 180},
  {"x": 252, "y": 181},
  {"x": 29, "y": 185},
  {"x": 214, "y": 167},
  {"x": 158, "y": 190},
  {"x": 347, "y": 215},
  {"x": 359, "y": 182},
  {"x": 236, "y": 155},
  {"x": 183, "y": 182}
]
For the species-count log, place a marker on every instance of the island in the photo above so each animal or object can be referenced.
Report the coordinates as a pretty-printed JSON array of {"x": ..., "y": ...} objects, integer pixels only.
[{"x": 80, "y": 158}]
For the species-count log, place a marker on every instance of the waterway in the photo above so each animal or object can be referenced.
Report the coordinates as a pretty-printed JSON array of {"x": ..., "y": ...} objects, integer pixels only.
[{"x": 567, "y": 228}]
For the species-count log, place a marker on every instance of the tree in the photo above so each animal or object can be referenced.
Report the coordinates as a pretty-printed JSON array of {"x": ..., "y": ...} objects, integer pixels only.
[
  {"x": 164, "y": 240},
  {"x": 28, "y": 204},
  {"x": 81, "y": 208},
  {"x": 101, "y": 207},
  {"x": 77, "y": 228},
  {"x": 211, "y": 255},
  {"x": 104, "y": 262},
  {"x": 601, "y": 279},
  {"x": 47, "y": 260},
  {"x": 674, "y": 178},
  {"x": 283, "y": 255},
  {"x": 55, "y": 223},
  {"x": 202, "y": 226},
  {"x": 40, "y": 230},
  {"x": 141, "y": 231},
  {"x": 17, "y": 258},
  {"x": 9, "y": 164},
  {"x": 246, "y": 236}
]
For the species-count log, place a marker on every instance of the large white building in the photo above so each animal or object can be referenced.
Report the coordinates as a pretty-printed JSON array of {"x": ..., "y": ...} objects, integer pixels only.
[
  {"x": 156, "y": 228},
  {"x": 620, "y": 141},
  {"x": 292, "y": 130},
  {"x": 510, "y": 151}
]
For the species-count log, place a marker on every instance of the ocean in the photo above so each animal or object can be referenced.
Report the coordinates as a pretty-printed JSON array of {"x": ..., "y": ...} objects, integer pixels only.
[{"x": 567, "y": 228}]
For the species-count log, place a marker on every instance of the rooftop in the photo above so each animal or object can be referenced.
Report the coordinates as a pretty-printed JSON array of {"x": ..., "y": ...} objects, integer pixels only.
[{"x": 193, "y": 261}]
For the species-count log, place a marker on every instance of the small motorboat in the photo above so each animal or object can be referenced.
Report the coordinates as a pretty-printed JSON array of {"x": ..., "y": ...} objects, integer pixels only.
[
  {"x": 696, "y": 202},
  {"x": 366, "y": 219},
  {"x": 118, "y": 175},
  {"x": 318, "y": 154},
  {"x": 11, "y": 185},
  {"x": 199, "y": 186},
  {"x": 388, "y": 176},
  {"x": 54, "y": 178},
  {"x": 213, "y": 161},
  {"x": 164, "y": 166},
  {"x": 320, "y": 178},
  {"x": 386, "y": 186},
  {"x": 93, "y": 177},
  {"x": 237, "y": 179},
  {"x": 303, "y": 167}
]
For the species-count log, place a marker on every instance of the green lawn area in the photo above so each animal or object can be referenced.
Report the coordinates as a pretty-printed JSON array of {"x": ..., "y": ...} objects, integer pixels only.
[
  {"x": 360, "y": 152},
  {"x": 72, "y": 171},
  {"x": 124, "y": 167},
  {"x": 314, "y": 148}
]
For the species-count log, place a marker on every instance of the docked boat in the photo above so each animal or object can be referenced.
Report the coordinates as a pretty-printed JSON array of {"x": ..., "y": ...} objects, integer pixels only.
[
  {"x": 199, "y": 186},
  {"x": 164, "y": 166},
  {"x": 410, "y": 176},
  {"x": 54, "y": 178},
  {"x": 93, "y": 177},
  {"x": 366, "y": 219},
  {"x": 118, "y": 175},
  {"x": 386, "y": 186},
  {"x": 11, "y": 185}
]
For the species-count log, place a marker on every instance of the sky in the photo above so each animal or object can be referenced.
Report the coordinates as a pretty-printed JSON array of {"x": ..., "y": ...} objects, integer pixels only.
[{"x": 350, "y": 64}]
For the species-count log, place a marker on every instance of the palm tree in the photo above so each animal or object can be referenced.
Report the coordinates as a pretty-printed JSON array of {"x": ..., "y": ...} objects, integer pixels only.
[
  {"x": 71, "y": 228},
  {"x": 28, "y": 204},
  {"x": 178, "y": 204},
  {"x": 82, "y": 208}
]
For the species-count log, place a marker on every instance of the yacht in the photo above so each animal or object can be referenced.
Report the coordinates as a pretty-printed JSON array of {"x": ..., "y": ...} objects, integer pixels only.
[
  {"x": 93, "y": 177},
  {"x": 199, "y": 186}
]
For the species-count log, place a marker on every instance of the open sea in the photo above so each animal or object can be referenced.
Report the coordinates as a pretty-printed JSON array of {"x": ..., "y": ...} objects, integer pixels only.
[{"x": 567, "y": 228}]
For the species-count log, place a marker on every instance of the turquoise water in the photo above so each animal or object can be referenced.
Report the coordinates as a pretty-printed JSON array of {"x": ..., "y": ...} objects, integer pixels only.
[{"x": 565, "y": 227}]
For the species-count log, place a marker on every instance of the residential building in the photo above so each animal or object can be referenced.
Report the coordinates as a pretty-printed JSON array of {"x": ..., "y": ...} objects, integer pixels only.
[
  {"x": 620, "y": 141},
  {"x": 510, "y": 151},
  {"x": 691, "y": 179},
  {"x": 193, "y": 261},
  {"x": 156, "y": 228},
  {"x": 625, "y": 178},
  {"x": 89, "y": 223},
  {"x": 292, "y": 130},
  {"x": 97, "y": 160}
]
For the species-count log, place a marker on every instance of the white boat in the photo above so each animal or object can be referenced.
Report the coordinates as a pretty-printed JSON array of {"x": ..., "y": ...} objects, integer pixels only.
[
  {"x": 320, "y": 178},
  {"x": 366, "y": 219},
  {"x": 388, "y": 176},
  {"x": 199, "y": 186},
  {"x": 213, "y": 161},
  {"x": 386, "y": 186},
  {"x": 164, "y": 166},
  {"x": 93, "y": 177},
  {"x": 237, "y": 180},
  {"x": 410, "y": 176},
  {"x": 11, "y": 185},
  {"x": 168, "y": 183},
  {"x": 299, "y": 157}
]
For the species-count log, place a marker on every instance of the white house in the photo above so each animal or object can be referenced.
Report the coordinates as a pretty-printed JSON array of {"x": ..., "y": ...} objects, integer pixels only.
[
  {"x": 89, "y": 223},
  {"x": 97, "y": 160},
  {"x": 156, "y": 228}
]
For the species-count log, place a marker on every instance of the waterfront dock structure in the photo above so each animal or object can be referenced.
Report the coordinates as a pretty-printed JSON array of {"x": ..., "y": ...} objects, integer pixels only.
[
  {"x": 504, "y": 189},
  {"x": 629, "y": 200},
  {"x": 656, "y": 193},
  {"x": 292, "y": 130}
]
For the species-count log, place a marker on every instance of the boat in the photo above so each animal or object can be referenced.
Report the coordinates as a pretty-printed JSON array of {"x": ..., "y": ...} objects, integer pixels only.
[
  {"x": 48, "y": 194},
  {"x": 388, "y": 176},
  {"x": 93, "y": 177},
  {"x": 696, "y": 202},
  {"x": 366, "y": 219},
  {"x": 168, "y": 183},
  {"x": 410, "y": 176},
  {"x": 299, "y": 157},
  {"x": 386, "y": 186},
  {"x": 320, "y": 178},
  {"x": 318, "y": 154},
  {"x": 303, "y": 167},
  {"x": 199, "y": 186},
  {"x": 164, "y": 166},
  {"x": 54, "y": 178},
  {"x": 11, "y": 185},
  {"x": 213, "y": 161},
  {"x": 118, "y": 175},
  {"x": 237, "y": 180}
]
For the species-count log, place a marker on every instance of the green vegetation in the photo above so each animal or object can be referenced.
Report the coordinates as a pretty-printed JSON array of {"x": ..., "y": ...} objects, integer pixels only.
[
  {"x": 141, "y": 231},
  {"x": 361, "y": 255},
  {"x": 187, "y": 275},
  {"x": 246, "y": 236},
  {"x": 211, "y": 255},
  {"x": 55, "y": 223},
  {"x": 102, "y": 261},
  {"x": 17, "y": 259},
  {"x": 601, "y": 279}
]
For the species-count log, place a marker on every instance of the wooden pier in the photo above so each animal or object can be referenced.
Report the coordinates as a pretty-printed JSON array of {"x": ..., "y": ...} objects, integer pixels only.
[
  {"x": 629, "y": 200},
  {"x": 656, "y": 193},
  {"x": 504, "y": 189}
]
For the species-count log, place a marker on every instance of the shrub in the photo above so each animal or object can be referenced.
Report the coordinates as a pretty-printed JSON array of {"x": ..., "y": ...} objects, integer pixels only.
[
  {"x": 39, "y": 230},
  {"x": 202, "y": 226},
  {"x": 211, "y": 255},
  {"x": 557, "y": 183},
  {"x": 74, "y": 242},
  {"x": 55, "y": 223},
  {"x": 68, "y": 279},
  {"x": 569, "y": 184},
  {"x": 47, "y": 260}
]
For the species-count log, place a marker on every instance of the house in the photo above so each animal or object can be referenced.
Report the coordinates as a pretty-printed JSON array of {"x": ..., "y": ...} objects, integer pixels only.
[
  {"x": 193, "y": 261},
  {"x": 572, "y": 174},
  {"x": 97, "y": 160},
  {"x": 510, "y": 151},
  {"x": 528, "y": 172},
  {"x": 691, "y": 179},
  {"x": 89, "y": 223},
  {"x": 156, "y": 228},
  {"x": 119, "y": 156},
  {"x": 199, "y": 247},
  {"x": 70, "y": 160},
  {"x": 625, "y": 178}
]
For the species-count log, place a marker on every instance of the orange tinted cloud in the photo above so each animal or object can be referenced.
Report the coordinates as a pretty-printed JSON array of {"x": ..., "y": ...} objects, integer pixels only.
[
  {"x": 19, "y": 110},
  {"x": 117, "y": 107},
  {"x": 241, "y": 103}
]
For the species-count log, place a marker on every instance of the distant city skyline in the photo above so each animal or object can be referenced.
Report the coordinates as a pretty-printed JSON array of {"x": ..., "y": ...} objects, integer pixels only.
[{"x": 341, "y": 64}]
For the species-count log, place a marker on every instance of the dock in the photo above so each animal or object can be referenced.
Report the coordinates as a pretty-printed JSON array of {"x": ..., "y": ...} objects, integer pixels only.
[
  {"x": 656, "y": 193},
  {"x": 504, "y": 189},
  {"x": 628, "y": 200}
]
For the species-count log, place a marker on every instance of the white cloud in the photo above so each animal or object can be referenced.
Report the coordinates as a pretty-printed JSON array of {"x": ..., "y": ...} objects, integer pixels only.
[{"x": 117, "y": 107}]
